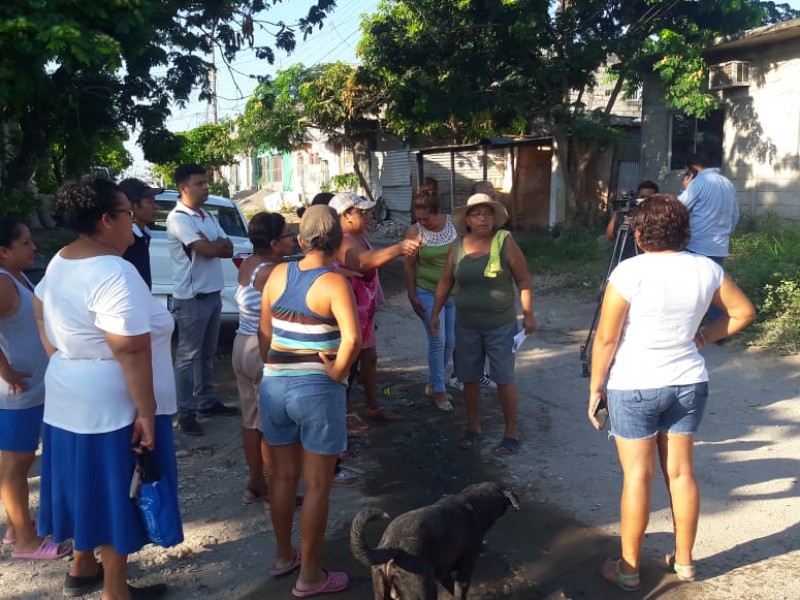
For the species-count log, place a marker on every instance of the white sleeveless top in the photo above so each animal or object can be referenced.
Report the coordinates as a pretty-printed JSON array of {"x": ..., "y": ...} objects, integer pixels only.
[{"x": 248, "y": 299}]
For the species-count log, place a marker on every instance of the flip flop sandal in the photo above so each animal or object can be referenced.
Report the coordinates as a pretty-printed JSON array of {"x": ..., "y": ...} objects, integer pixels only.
[
  {"x": 355, "y": 422},
  {"x": 10, "y": 538},
  {"x": 684, "y": 572},
  {"x": 470, "y": 439},
  {"x": 507, "y": 447},
  {"x": 336, "y": 581},
  {"x": 47, "y": 550},
  {"x": 250, "y": 496},
  {"x": 383, "y": 414},
  {"x": 612, "y": 573},
  {"x": 290, "y": 568}
]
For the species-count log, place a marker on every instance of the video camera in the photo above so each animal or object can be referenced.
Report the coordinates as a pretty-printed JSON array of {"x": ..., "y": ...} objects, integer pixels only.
[{"x": 626, "y": 201}]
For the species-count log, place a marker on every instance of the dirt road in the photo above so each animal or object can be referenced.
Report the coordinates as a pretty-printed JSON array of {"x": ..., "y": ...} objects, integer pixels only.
[{"x": 566, "y": 475}]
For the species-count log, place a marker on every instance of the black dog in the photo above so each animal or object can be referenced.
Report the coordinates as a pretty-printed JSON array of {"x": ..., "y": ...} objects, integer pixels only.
[{"x": 429, "y": 544}]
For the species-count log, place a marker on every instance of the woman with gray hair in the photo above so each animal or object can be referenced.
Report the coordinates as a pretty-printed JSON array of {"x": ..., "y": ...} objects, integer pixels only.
[{"x": 309, "y": 338}]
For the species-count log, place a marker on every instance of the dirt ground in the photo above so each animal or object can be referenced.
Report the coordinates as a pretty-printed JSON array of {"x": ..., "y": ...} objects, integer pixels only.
[{"x": 566, "y": 475}]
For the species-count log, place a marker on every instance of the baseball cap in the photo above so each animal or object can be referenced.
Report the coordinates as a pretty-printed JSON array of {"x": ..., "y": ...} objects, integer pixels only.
[
  {"x": 344, "y": 201},
  {"x": 319, "y": 222},
  {"x": 136, "y": 189}
]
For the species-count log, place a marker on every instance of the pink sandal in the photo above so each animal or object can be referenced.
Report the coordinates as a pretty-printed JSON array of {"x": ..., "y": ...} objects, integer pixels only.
[
  {"x": 336, "y": 581},
  {"x": 47, "y": 550},
  {"x": 293, "y": 566}
]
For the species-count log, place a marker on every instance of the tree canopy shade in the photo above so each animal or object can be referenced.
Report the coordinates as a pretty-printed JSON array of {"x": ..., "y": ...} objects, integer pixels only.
[
  {"x": 475, "y": 68},
  {"x": 77, "y": 72},
  {"x": 327, "y": 97}
]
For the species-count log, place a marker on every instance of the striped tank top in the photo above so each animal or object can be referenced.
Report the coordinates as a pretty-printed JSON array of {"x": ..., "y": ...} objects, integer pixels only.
[
  {"x": 298, "y": 333},
  {"x": 248, "y": 299}
]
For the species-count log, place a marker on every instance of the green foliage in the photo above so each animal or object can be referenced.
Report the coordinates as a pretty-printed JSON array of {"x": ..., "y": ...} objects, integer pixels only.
[
  {"x": 471, "y": 69},
  {"x": 344, "y": 183},
  {"x": 219, "y": 188},
  {"x": 71, "y": 73},
  {"x": 210, "y": 145},
  {"x": 765, "y": 263},
  {"x": 326, "y": 97},
  {"x": 18, "y": 204},
  {"x": 572, "y": 252}
]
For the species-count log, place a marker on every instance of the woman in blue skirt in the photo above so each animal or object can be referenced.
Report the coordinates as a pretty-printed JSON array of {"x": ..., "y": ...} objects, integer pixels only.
[
  {"x": 109, "y": 377},
  {"x": 22, "y": 365}
]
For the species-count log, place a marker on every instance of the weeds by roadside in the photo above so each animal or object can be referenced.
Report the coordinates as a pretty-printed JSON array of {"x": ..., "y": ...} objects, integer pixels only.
[
  {"x": 573, "y": 251},
  {"x": 764, "y": 262}
]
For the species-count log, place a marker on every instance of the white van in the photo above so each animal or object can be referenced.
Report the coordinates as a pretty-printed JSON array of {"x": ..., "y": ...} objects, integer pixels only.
[{"x": 233, "y": 223}]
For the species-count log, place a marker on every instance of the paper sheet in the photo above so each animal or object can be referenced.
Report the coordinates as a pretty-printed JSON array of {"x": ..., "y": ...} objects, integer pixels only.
[{"x": 518, "y": 339}]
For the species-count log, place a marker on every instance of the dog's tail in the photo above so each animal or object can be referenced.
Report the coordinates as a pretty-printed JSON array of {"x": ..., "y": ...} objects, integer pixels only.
[{"x": 363, "y": 553}]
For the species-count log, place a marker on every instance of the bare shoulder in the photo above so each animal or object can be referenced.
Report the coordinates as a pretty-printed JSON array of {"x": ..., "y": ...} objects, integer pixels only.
[
  {"x": 9, "y": 297},
  {"x": 277, "y": 281}
]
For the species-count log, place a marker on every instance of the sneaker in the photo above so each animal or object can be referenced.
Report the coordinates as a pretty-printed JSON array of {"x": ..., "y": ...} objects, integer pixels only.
[
  {"x": 188, "y": 424},
  {"x": 488, "y": 383},
  {"x": 218, "y": 409},
  {"x": 455, "y": 383},
  {"x": 75, "y": 586}
]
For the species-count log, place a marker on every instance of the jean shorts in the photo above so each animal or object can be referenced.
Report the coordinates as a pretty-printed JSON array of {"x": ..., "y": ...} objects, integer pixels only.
[
  {"x": 474, "y": 346},
  {"x": 309, "y": 409},
  {"x": 641, "y": 414}
]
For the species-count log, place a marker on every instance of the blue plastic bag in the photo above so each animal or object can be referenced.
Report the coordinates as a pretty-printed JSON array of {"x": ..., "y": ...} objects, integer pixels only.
[{"x": 157, "y": 505}]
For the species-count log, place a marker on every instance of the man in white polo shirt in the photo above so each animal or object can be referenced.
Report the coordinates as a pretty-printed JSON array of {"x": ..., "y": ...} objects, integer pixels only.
[{"x": 197, "y": 244}]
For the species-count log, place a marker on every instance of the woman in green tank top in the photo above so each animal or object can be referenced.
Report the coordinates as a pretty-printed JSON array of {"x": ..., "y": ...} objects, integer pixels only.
[
  {"x": 422, "y": 274},
  {"x": 486, "y": 263}
]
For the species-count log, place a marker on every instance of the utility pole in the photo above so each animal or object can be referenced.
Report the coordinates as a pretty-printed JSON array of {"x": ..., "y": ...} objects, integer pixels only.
[{"x": 212, "y": 80}]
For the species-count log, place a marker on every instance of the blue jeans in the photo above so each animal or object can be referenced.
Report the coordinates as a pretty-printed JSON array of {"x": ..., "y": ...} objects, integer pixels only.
[
  {"x": 714, "y": 313},
  {"x": 306, "y": 409},
  {"x": 440, "y": 348},
  {"x": 641, "y": 414},
  {"x": 198, "y": 333}
]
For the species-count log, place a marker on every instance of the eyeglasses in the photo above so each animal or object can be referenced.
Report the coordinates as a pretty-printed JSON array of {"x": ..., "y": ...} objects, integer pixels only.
[
  {"x": 129, "y": 211},
  {"x": 481, "y": 215},
  {"x": 288, "y": 234}
]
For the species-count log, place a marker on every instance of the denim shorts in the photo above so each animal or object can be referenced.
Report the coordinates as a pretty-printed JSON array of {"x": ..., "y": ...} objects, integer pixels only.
[
  {"x": 309, "y": 409},
  {"x": 641, "y": 414},
  {"x": 473, "y": 347}
]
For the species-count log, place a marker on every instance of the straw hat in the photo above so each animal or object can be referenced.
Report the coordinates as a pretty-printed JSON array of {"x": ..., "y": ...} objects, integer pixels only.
[{"x": 459, "y": 215}]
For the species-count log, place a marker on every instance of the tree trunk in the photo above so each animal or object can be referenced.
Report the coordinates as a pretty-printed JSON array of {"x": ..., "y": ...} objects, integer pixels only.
[
  {"x": 26, "y": 153},
  {"x": 574, "y": 157},
  {"x": 361, "y": 179}
]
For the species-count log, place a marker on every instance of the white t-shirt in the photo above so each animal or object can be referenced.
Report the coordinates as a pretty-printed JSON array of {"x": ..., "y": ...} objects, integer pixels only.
[
  {"x": 85, "y": 391},
  {"x": 668, "y": 294},
  {"x": 193, "y": 274}
]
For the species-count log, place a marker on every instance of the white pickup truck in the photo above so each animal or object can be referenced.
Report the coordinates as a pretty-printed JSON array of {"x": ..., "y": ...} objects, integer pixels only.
[{"x": 235, "y": 225}]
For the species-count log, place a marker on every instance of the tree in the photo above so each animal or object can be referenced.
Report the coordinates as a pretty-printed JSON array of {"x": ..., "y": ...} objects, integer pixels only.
[
  {"x": 476, "y": 67},
  {"x": 327, "y": 97},
  {"x": 210, "y": 145},
  {"x": 75, "y": 73}
]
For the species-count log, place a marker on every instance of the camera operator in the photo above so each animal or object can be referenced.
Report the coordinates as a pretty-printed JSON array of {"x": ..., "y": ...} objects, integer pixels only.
[{"x": 646, "y": 189}]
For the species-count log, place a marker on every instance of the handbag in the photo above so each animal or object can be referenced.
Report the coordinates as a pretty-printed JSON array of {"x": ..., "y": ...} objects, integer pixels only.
[{"x": 158, "y": 507}]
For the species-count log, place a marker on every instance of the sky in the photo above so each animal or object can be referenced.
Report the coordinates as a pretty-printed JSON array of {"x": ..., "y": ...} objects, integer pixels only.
[{"x": 335, "y": 41}]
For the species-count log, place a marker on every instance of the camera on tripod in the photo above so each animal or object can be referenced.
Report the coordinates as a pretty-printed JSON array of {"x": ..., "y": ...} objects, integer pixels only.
[{"x": 625, "y": 202}]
